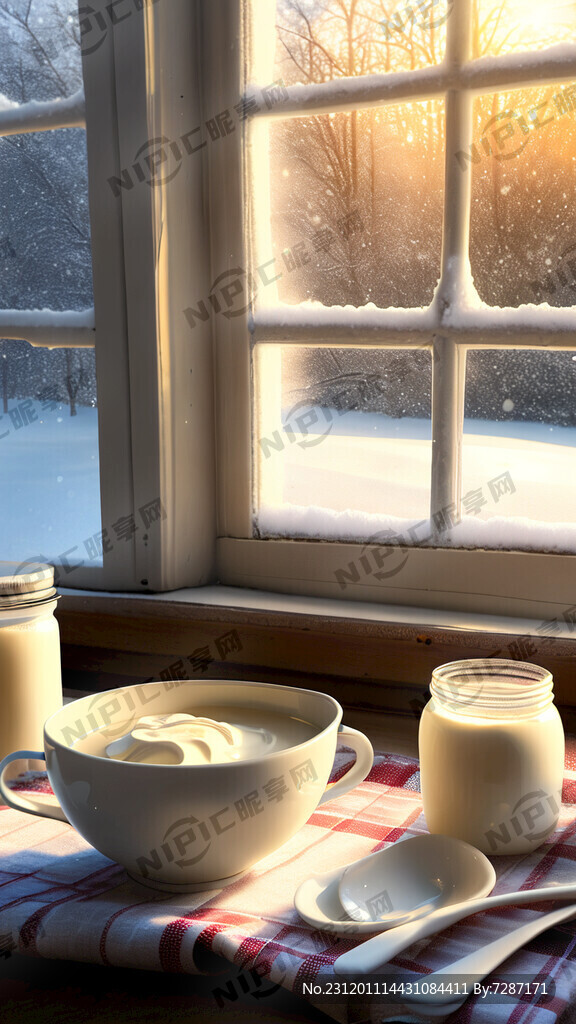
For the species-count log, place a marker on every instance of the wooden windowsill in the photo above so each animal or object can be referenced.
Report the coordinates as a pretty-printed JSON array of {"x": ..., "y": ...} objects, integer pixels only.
[{"x": 370, "y": 663}]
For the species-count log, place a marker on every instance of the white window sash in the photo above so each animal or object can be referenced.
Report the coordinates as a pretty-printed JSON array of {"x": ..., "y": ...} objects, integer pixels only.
[
  {"x": 447, "y": 327},
  {"x": 149, "y": 254},
  {"x": 155, "y": 381}
]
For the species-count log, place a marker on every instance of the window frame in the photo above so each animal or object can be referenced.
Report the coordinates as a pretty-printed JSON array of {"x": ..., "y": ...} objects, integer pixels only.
[
  {"x": 153, "y": 256},
  {"x": 156, "y": 404},
  {"x": 155, "y": 389},
  {"x": 490, "y": 581}
]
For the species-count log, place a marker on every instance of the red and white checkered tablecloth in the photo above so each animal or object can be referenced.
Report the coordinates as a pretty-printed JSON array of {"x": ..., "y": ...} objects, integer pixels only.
[{"x": 61, "y": 899}]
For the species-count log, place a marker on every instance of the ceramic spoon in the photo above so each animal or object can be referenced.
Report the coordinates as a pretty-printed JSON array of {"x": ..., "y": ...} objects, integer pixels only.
[
  {"x": 477, "y": 965},
  {"x": 384, "y": 947},
  {"x": 412, "y": 878}
]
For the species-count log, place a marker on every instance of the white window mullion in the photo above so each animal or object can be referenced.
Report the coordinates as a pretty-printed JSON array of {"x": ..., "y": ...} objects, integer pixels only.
[
  {"x": 169, "y": 397},
  {"x": 501, "y": 73},
  {"x": 448, "y": 378},
  {"x": 112, "y": 367},
  {"x": 394, "y": 327},
  {"x": 49, "y": 329},
  {"x": 488, "y": 327},
  {"x": 43, "y": 115},
  {"x": 449, "y": 362},
  {"x": 224, "y": 57}
]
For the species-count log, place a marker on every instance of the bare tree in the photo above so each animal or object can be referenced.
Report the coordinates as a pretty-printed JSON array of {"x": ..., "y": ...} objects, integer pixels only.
[
  {"x": 74, "y": 378},
  {"x": 45, "y": 253},
  {"x": 386, "y": 165}
]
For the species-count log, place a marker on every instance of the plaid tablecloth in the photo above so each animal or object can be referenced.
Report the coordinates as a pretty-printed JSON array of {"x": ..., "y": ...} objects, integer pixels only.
[{"x": 59, "y": 898}]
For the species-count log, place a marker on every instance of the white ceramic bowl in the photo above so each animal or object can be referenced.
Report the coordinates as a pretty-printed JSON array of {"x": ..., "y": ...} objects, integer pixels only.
[{"x": 186, "y": 827}]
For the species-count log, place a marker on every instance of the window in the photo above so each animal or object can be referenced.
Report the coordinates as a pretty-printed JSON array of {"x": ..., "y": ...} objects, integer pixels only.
[
  {"x": 48, "y": 420},
  {"x": 323, "y": 214},
  {"x": 388, "y": 148},
  {"x": 157, "y": 525}
]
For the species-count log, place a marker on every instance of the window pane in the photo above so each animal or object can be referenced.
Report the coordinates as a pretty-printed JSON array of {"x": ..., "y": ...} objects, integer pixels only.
[
  {"x": 45, "y": 257},
  {"x": 357, "y": 206},
  {"x": 49, "y": 454},
  {"x": 523, "y": 159},
  {"x": 519, "y": 443},
  {"x": 342, "y": 443},
  {"x": 40, "y": 50},
  {"x": 317, "y": 42},
  {"x": 48, "y": 414},
  {"x": 511, "y": 26}
]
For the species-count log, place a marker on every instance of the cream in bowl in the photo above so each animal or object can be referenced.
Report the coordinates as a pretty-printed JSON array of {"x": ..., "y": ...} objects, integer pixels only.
[
  {"x": 188, "y": 786},
  {"x": 201, "y": 739}
]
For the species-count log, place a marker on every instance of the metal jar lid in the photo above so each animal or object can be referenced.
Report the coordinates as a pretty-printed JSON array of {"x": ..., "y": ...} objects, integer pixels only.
[{"x": 23, "y": 583}]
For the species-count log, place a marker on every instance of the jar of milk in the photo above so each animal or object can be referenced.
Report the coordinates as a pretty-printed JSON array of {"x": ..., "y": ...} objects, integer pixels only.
[
  {"x": 492, "y": 755},
  {"x": 30, "y": 677}
]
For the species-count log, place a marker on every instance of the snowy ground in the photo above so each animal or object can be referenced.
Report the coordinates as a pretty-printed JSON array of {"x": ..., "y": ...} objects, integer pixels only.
[
  {"x": 49, "y": 482},
  {"x": 519, "y": 485}
]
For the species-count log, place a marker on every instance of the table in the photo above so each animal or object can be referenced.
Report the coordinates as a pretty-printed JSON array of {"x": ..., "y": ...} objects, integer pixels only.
[{"x": 60, "y": 899}]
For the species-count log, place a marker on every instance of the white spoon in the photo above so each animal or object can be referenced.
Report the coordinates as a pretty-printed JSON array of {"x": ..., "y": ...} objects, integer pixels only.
[
  {"x": 382, "y": 948},
  {"x": 412, "y": 878},
  {"x": 475, "y": 966}
]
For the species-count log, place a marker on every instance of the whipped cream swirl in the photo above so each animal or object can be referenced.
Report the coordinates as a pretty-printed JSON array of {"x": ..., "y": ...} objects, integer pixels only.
[{"x": 186, "y": 739}]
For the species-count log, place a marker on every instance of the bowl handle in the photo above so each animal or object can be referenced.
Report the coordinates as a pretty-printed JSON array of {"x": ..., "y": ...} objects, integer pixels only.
[
  {"x": 359, "y": 770},
  {"x": 28, "y": 803}
]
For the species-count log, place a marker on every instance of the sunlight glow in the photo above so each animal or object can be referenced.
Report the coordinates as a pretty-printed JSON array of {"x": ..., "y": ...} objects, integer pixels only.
[{"x": 546, "y": 20}]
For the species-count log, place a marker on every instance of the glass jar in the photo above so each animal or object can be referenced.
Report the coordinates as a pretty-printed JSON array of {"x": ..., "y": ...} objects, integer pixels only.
[
  {"x": 492, "y": 755},
  {"x": 30, "y": 675}
]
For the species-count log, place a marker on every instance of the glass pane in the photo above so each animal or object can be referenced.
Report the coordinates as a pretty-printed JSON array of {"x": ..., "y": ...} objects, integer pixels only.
[
  {"x": 45, "y": 257},
  {"x": 49, "y": 455},
  {"x": 519, "y": 444},
  {"x": 317, "y": 42},
  {"x": 342, "y": 441},
  {"x": 41, "y": 57},
  {"x": 357, "y": 207},
  {"x": 49, "y": 472},
  {"x": 510, "y": 26},
  {"x": 523, "y": 159}
]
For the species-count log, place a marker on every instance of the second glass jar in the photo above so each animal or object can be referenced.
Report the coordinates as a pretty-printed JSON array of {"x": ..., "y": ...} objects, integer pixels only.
[{"x": 492, "y": 755}]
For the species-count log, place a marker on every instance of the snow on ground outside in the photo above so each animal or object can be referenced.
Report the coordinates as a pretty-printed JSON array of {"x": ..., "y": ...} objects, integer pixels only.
[
  {"x": 50, "y": 489},
  {"x": 49, "y": 483},
  {"x": 311, "y": 479}
]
